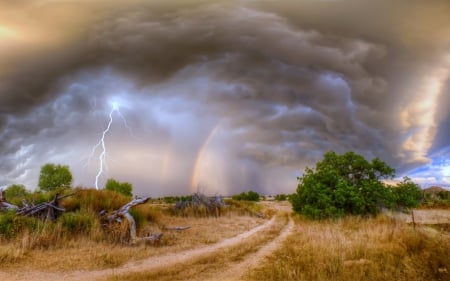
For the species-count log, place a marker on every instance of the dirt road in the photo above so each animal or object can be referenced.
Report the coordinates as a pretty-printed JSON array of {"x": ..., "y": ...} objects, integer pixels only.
[{"x": 168, "y": 260}]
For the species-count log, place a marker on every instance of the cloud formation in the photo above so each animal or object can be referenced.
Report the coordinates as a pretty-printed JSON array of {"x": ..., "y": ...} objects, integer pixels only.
[{"x": 230, "y": 95}]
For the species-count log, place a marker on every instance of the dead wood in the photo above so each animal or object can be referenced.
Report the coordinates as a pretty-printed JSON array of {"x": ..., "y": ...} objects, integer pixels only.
[
  {"x": 123, "y": 212},
  {"x": 5, "y": 205},
  {"x": 200, "y": 203},
  {"x": 47, "y": 211},
  {"x": 177, "y": 228}
]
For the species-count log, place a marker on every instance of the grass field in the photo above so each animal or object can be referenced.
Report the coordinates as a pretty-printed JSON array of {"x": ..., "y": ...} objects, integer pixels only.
[
  {"x": 387, "y": 247},
  {"x": 381, "y": 248}
]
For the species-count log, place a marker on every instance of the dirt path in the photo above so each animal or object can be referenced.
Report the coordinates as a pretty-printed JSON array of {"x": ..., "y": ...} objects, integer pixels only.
[
  {"x": 135, "y": 266},
  {"x": 236, "y": 272}
]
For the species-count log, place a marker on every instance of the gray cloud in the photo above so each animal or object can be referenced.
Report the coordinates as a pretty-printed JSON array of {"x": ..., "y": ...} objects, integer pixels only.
[{"x": 236, "y": 91}]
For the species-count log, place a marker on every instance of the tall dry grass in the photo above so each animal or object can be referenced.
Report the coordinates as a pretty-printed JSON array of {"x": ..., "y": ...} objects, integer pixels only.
[
  {"x": 358, "y": 249},
  {"x": 79, "y": 240}
]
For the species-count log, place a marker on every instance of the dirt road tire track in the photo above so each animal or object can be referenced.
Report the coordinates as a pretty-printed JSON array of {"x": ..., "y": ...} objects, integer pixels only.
[
  {"x": 236, "y": 272},
  {"x": 150, "y": 263}
]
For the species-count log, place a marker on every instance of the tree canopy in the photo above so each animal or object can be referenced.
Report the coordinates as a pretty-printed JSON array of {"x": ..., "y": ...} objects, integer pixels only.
[
  {"x": 15, "y": 190},
  {"x": 124, "y": 188},
  {"x": 349, "y": 184},
  {"x": 54, "y": 176}
]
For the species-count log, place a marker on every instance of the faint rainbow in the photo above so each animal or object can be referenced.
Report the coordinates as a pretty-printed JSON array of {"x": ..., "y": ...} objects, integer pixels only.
[{"x": 195, "y": 181}]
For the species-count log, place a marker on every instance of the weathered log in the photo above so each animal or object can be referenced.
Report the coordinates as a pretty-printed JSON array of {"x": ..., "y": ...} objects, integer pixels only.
[
  {"x": 5, "y": 205},
  {"x": 118, "y": 214},
  {"x": 123, "y": 212},
  {"x": 177, "y": 228},
  {"x": 47, "y": 210}
]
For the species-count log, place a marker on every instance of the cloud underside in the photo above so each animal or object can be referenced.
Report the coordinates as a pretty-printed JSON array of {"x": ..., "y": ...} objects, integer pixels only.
[{"x": 228, "y": 95}]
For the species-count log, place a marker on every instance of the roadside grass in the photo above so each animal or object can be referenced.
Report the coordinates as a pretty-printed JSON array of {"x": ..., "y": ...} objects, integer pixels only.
[
  {"x": 77, "y": 240},
  {"x": 208, "y": 265},
  {"x": 380, "y": 248}
]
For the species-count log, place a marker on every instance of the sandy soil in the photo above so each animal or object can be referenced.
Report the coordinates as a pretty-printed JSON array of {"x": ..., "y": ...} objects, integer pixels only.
[{"x": 236, "y": 272}]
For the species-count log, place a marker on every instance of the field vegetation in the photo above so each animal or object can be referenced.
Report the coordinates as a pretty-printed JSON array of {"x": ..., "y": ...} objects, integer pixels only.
[
  {"x": 353, "y": 248},
  {"x": 79, "y": 240},
  {"x": 340, "y": 231}
]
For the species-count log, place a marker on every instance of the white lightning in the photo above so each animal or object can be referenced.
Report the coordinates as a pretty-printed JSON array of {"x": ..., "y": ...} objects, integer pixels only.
[
  {"x": 101, "y": 143},
  {"x": 102, "y": 156}
]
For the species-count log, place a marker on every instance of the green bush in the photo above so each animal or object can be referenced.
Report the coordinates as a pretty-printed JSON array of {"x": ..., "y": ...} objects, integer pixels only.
[
  {"x": 246, "y": 196},
  {"x": 8, "y": 225},
  {"x": 78, "y": 222},
  {"x": 54, "y": 177},
  {"x": 15, "y": 191},
  {"x": 94, "y": 200},
  {"x": 342, "y": 185},
  {"x": 281, "y": 197},
  {"x": 138, "y": 217},
  {"x": 123, "y": 188},
  {"x": 406, "y": 194},
  {"x": 11, "y": 224}
]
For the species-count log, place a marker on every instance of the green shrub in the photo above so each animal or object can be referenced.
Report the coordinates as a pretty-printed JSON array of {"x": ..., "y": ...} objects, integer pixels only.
[
  {"x": 407, "y": 194},
  {"x": 54, "y": 176},
  {"x": 246, "y": 196},
  {"x": 94, "y": 200},
  {"x": 124, "y": 188},
  {"x": 281, "y": 197},
  {"x": 8, "y": 224},
  {"x": 79, "y": 222},
  {"x": 341, "y": 185},
  {"x": 138, "y": 218}
]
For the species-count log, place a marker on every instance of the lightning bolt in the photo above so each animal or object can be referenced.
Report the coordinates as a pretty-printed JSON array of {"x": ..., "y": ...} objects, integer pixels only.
[{"x": 101, "y": 142}]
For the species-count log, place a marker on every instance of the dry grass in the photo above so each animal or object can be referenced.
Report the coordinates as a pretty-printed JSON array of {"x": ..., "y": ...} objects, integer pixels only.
[
  {"x": 207, "y": 266},
  {"x": 358, "y": 249},
  {"x": 89, "y": 251}
]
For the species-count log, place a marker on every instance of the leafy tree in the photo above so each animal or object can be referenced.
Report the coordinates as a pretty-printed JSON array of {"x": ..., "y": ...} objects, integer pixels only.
[
  {"x": 407, "y": 194},
  {"x": 15, "y": 190},
  {"x": 54, "y": 176},
  {"x": 247, "y": 196},
  {"x": 124, "y": 188},
  {"x": 340, "y": 185}
]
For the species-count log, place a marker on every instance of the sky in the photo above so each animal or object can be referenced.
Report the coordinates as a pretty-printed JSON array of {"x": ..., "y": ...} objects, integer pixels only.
[{"x": 222, "y": 96}]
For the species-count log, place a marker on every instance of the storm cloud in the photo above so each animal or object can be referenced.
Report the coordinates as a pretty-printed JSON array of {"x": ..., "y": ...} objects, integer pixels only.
[{"x": 224, "y": 96}]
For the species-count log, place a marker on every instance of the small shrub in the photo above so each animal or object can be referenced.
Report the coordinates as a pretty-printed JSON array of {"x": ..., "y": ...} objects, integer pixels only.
[
  {"x": 281, "y": 197},
  {"x": 148, "y": 212},
  {"x": 246, "y": 196},
  {"x": 79, "y": 222},
  {"x": 9, "y": 225},
  {"x": 124, "y": 188},
  {"x": 94, "y": 200},
  {"x": 138, "y": 218}
]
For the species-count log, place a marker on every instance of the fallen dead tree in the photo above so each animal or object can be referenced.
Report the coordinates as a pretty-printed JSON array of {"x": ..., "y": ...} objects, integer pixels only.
[
  {"x": 46, "y": 211},
  {"x": 123, "y": 212}
]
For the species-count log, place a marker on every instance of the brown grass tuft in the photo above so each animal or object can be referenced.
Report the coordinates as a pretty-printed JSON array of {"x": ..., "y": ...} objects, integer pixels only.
[{"x": 358, "y": 249}]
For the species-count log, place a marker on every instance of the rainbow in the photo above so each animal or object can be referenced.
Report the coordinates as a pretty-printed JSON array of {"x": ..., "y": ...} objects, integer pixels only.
[{"x": 195, "y": 178}]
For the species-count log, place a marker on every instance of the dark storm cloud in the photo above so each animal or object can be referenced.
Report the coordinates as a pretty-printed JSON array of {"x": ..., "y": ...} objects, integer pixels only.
[{"x": 288, "y": 80}]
